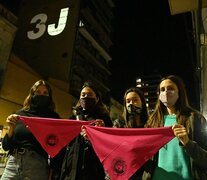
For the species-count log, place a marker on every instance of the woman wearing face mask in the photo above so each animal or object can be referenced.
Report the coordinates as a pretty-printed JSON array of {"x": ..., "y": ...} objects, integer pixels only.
[
  {"x": 135, "y": 111},
  {"x": 27, "y": 159},
  {"x": 134, "y": 116},
  {"x": 81, "y": 162},
  {"x": 185, "y": 156}
]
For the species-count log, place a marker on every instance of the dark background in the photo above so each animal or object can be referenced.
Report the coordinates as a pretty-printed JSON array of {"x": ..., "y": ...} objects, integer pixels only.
[{"x": 148, "y": 40}]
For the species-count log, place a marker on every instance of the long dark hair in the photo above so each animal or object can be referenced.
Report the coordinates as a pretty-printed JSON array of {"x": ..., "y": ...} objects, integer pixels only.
[
  {"x": 27, "y": 101},
  {"x": 144, "y": 113},
  {"x": 101, "y": 108},
  {"x": 182, "y": 106}
]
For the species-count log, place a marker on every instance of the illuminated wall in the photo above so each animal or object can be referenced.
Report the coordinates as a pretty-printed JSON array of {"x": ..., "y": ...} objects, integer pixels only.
[{"x": 46, "y": 35}]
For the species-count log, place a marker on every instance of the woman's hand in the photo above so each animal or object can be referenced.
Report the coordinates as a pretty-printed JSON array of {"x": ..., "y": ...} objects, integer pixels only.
[
  {"x": 83, "y": 133},
  {"x": 11, "y": 122},
  {"x": 100, "y": 123},
  {"x": 181, "y": 133}
]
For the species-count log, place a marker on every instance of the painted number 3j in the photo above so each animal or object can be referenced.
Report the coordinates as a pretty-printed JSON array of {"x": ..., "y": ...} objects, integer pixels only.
[{"x": 52, "y": 29}]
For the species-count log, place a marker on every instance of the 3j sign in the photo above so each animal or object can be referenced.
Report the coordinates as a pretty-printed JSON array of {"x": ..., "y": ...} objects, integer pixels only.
[{"x": 39, "y": 23}]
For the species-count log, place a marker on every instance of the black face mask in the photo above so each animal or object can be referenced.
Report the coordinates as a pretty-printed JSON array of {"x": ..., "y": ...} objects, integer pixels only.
[
  {"x": 40, "y": 101},
  {"x": 134, "y": 110},
  {"x": 87, "y": 103}
]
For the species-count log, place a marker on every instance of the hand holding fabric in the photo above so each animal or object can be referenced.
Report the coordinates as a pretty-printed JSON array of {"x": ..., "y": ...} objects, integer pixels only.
[
  {"x": 181, "y": 133},
  {"x": 100, "y": 123},
  {"x": 83, "y": 133},
  {"x": 11, "y": 122}
]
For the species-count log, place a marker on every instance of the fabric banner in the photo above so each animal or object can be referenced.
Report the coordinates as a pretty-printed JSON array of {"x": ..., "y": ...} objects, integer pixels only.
[
  {"x": 122, "y": 151},
  {"x": 53, "y": 134}
]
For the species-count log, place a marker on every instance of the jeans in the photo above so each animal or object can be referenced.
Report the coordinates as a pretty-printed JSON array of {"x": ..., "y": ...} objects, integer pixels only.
[{"x": 27, "y": 166}]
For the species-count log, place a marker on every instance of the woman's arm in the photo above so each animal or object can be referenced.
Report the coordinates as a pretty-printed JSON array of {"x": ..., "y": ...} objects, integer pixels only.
[{"x": 7, "y": 140}]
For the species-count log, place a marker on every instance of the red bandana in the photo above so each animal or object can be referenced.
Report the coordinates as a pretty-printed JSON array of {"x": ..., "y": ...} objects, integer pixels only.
[
  {"x": 53, "y": 134},
  {"x": 122, "y": 151}
]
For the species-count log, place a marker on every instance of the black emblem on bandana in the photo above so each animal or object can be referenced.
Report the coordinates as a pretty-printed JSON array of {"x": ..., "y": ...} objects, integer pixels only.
[
  {"x": 51, "y": 140},
  {"x": 119, "y": 166}
]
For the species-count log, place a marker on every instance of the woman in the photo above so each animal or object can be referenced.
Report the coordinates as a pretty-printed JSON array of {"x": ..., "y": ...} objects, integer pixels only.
[
  {"x": 27, "y": 159},
  {"x": 81, "y": 162},
  {"x": 184, "y": 157},
  {"x": 134, "y": 116},
  {"x": 135, "y": 111}
]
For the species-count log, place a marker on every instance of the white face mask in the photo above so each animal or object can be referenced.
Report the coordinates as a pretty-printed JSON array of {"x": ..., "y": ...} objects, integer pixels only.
[{"x": 169, "y": 97}]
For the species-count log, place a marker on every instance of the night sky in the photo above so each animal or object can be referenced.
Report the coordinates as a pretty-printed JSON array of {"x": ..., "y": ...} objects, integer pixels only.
[{"x": 148, "y": 40}]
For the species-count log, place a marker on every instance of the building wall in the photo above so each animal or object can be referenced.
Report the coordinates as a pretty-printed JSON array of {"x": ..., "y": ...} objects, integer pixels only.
[
  {"x": 7, "y": 34},
  {"x": 17, "y": 82},
  {"x": 88, "y": 60},
  {"x": 204, "y": 63},
  {"x": 204, "y": 80},
  {"x": 91, "y": 52},
  {"x": 19, "y": 78}
]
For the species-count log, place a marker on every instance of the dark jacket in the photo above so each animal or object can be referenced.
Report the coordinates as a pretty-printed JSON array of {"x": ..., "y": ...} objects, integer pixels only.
[
  {"x": 196, "y": 148},
  {"x": 81, "y": 162},
  {"x": 22, "y": 137}
]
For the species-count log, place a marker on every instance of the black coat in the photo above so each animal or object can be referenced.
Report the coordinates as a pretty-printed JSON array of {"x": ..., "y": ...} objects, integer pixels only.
[
  {"x": 81, "y": 162},
  {"x": 22, "y": 137}
]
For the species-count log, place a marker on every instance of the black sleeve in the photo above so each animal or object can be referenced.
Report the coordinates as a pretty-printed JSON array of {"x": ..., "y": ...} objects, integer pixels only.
[{"x": 7, "y": 143}]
